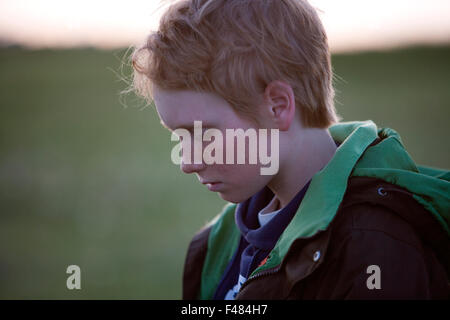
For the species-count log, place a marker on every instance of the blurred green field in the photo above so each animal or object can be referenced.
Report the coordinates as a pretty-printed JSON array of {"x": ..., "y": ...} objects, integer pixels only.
[{"x": 86, "y": 181}]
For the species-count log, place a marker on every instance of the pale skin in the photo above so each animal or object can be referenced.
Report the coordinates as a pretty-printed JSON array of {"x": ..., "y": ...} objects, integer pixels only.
[{"x": 303, "y": 151}]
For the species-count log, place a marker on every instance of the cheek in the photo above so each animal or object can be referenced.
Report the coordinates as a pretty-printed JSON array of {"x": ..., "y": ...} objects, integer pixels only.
[
  {"x": 243, "y": 180},
  {"x": 238, "y": 172},
  {"x": 242, "y": 183}
]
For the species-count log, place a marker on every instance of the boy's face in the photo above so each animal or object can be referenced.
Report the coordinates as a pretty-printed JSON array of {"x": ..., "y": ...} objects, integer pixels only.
[{"x": 179, "y": 109}]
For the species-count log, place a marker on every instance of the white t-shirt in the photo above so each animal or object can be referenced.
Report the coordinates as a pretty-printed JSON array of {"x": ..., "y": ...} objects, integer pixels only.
[{"x": 270, "y": 211}]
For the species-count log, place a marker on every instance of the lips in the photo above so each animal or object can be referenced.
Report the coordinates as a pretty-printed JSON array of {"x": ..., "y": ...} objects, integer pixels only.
[
  {"x": 212, "y": 185},
  {"x": 209, "y": 182},
  {"x": 215, "y": 186}
]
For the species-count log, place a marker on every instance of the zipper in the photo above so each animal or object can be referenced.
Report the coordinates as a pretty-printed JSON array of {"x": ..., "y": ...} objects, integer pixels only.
[
  {"x": 274, "y": 270},
  {"x": 258, "y": 275}
]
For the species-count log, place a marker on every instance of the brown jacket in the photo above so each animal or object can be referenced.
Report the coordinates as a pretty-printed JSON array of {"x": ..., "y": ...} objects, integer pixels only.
[{"x": 377, "y": 224}]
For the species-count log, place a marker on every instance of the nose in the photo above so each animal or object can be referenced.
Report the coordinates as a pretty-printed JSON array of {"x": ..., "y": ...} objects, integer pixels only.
[
  {"x": 191, "y": 168},
  {"x": 188, "y": 164}
]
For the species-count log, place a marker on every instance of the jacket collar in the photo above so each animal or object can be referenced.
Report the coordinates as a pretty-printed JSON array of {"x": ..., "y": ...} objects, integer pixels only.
[
  {"x": 326, "y": 190},
  {"x": 264, "y": 237}
]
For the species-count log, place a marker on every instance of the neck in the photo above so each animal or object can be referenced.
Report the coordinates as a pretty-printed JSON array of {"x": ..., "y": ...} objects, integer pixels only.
[{"x": 307, "y": 155}]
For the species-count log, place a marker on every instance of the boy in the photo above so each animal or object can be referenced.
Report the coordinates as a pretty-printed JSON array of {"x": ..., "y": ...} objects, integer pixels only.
[{"x": 347, "y": 215}]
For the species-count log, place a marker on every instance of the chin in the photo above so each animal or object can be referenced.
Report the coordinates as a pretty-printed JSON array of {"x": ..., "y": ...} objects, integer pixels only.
[{"x": 233, "y": 198}]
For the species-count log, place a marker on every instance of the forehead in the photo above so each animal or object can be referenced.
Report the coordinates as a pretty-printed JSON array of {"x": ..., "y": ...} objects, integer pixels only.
[{"x": 180, "y": 108}]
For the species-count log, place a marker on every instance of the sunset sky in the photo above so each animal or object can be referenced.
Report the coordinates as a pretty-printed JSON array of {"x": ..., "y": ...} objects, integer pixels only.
[{"x": 351, "y": 24}]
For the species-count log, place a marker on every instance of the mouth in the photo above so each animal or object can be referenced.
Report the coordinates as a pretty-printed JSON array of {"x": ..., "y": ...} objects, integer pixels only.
[{"x": 213, "y": 185}]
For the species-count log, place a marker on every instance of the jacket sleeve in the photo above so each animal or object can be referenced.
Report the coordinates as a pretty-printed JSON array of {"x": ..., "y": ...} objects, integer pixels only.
[
  {"x": 193, "y": 264},
  {"x": 376, "y": 263}
]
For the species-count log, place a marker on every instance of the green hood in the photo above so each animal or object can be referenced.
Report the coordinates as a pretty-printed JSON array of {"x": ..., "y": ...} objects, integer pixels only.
[{"x": 387, "y": 160}]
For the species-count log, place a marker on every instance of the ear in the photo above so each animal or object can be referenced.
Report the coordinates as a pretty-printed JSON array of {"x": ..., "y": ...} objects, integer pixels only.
[{"x": 280, "y": 104}]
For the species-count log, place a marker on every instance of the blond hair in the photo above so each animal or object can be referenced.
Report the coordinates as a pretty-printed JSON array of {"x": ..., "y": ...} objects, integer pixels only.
[{"x": 235, "y": 48}]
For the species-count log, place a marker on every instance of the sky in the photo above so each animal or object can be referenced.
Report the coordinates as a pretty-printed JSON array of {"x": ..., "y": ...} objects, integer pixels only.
[{"x": 352, "y": 25}]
